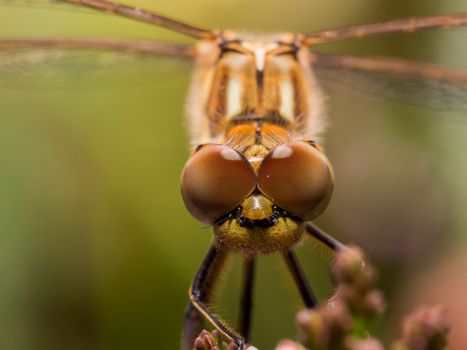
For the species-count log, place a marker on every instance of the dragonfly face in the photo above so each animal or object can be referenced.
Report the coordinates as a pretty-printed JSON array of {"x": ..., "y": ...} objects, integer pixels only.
[{"x": 249, "y": 177}]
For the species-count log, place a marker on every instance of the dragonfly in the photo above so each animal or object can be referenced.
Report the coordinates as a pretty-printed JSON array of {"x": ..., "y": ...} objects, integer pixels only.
[{"x": 257, "y": 173}]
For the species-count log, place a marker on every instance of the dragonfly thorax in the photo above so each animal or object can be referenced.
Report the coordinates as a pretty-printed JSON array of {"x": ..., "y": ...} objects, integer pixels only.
[{"x": 266, "y": 79}]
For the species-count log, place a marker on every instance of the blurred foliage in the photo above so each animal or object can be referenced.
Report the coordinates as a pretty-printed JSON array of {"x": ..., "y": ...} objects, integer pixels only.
[{"x": 96, "y": 248}]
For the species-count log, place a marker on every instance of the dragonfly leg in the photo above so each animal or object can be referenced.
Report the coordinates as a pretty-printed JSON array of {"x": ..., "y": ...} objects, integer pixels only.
[
  {"x": 322, "y": 237},
  {"x": 306, "y": 292},
  {"x": 200, "y": 294},
  {"x": 246, "y": 304}
]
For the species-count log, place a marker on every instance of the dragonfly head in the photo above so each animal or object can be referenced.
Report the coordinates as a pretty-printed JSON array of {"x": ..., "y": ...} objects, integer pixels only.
[{"x": 257, "y": 206}]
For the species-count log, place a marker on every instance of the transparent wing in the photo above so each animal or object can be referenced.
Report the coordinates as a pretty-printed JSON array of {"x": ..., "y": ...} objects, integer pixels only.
[
  {"x": 55, "y": 5},
  {"x": 393, "y": 26},
  {"x": 66, "y": 63},
  {"x": 110, "y": 7},
  {"x": 394, "y": 79}
]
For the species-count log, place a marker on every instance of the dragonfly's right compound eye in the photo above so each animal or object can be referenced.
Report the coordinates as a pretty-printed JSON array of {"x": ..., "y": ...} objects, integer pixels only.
[
  {"x": 215, "y": 180},
  {"x": 298, "y": 178}
]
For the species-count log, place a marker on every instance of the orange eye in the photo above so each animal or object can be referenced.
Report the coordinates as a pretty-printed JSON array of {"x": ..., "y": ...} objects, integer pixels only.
[
  {"x": 298, "y": 178},
  {"x": 215, "y": 180}
]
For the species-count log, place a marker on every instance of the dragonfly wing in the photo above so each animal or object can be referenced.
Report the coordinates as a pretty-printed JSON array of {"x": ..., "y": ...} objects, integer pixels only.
[
  {"x": 402, "y": 25},
  {"x": 395, "y": 80},
  {"x": 57, "y": 62}
]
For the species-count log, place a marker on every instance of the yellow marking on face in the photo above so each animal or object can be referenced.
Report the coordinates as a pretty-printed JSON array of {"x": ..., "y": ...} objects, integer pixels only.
[
  {"x": 257, "y": 207},
  {"x": 259, "y": 240}
]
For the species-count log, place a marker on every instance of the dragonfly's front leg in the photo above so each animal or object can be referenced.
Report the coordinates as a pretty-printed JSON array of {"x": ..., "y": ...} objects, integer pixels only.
[
  {"x": 323, "y": 238},
  {"x": 200, "y": 292},
  {"x": 330, "y": 243},
  {"x": 306, "y": 292}
]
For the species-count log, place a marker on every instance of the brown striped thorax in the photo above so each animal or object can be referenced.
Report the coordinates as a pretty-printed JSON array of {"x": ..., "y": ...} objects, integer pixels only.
[{"x": 256, "y": 172}]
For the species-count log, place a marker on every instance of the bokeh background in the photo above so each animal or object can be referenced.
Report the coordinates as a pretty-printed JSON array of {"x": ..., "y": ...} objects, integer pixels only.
[{"x": 96, "y": 248}]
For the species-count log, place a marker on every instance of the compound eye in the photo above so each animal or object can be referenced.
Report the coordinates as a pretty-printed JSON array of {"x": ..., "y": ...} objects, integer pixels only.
[
  {"x": 215, "y": 180},
  {"x": 298, "y": 178}
]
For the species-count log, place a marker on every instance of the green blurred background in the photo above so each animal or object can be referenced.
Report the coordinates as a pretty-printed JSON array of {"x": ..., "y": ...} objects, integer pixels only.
[{"x": 96, "y": 247}]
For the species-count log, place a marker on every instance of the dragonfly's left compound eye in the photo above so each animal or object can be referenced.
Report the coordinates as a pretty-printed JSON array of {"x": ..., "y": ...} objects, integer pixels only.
[
  {"x": 298, "y": 178},
  {"x": 215, "y": 180}
]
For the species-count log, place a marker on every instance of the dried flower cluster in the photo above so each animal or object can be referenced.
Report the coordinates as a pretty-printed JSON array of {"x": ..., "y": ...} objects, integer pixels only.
[
  {"x": 351, "y": 314},
  {"x": 213, "y": 341},
  {"x": 424, "y": 329},
  {"x": 345, "y": 322}
]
